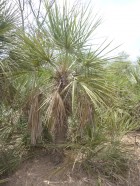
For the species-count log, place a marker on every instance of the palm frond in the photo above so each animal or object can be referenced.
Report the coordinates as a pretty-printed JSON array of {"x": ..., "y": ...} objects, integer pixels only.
[
  {"x": 68, "y": 28},
  {"x": 34, "y": 120}
]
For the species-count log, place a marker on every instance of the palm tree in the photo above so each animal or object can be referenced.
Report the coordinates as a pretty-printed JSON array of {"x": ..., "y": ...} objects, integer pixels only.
[{"x": 62, "y": 71}]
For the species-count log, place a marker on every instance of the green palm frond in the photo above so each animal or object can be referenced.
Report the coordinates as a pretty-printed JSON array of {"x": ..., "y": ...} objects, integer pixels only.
[
  {"x": 34, "y": 48},
  {"x": 7, "y": 25},
  {"x": 70, "y": 29},
  {"x": 7, "y": 20}
]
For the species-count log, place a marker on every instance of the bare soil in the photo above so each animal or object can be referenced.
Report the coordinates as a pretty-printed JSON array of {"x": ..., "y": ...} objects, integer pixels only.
[{"x": 40, "y": 171}]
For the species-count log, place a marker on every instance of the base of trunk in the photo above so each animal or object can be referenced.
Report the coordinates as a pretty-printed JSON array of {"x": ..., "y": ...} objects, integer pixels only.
[{"x": 57, "y": 156}]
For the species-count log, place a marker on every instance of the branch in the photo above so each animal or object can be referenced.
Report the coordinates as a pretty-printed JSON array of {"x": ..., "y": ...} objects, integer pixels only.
[{"x": 21, "y": 8}]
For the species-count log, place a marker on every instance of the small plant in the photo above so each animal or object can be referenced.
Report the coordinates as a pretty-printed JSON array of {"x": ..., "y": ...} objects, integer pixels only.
[
  {"x": 107, "y": 160},
  {"x": 101, "y": 149},
  {"x": 9, "y": 161}
]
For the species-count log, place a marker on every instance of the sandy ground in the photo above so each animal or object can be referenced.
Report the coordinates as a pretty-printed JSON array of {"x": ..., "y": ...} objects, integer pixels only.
[{"x": 39, "y": 171}]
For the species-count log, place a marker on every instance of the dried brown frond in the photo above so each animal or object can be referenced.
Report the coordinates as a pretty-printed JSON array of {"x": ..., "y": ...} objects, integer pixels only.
[
  {"x": 58, "y": 116},
  {"x": 34, "y": 120},
  {"x": 85, "y": 111}
]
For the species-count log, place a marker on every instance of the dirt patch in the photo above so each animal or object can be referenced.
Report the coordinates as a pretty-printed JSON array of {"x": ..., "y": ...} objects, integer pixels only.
[
  {"x": 40, "y": 171},
  {"x": 132, "y": 141}
]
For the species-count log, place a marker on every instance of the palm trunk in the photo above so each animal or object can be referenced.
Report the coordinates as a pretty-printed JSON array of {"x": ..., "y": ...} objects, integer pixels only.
[
  {"x": 60, "y": 129},
  {"x": 61, "y": 111},
  {"x": 60, "y": 136}
]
